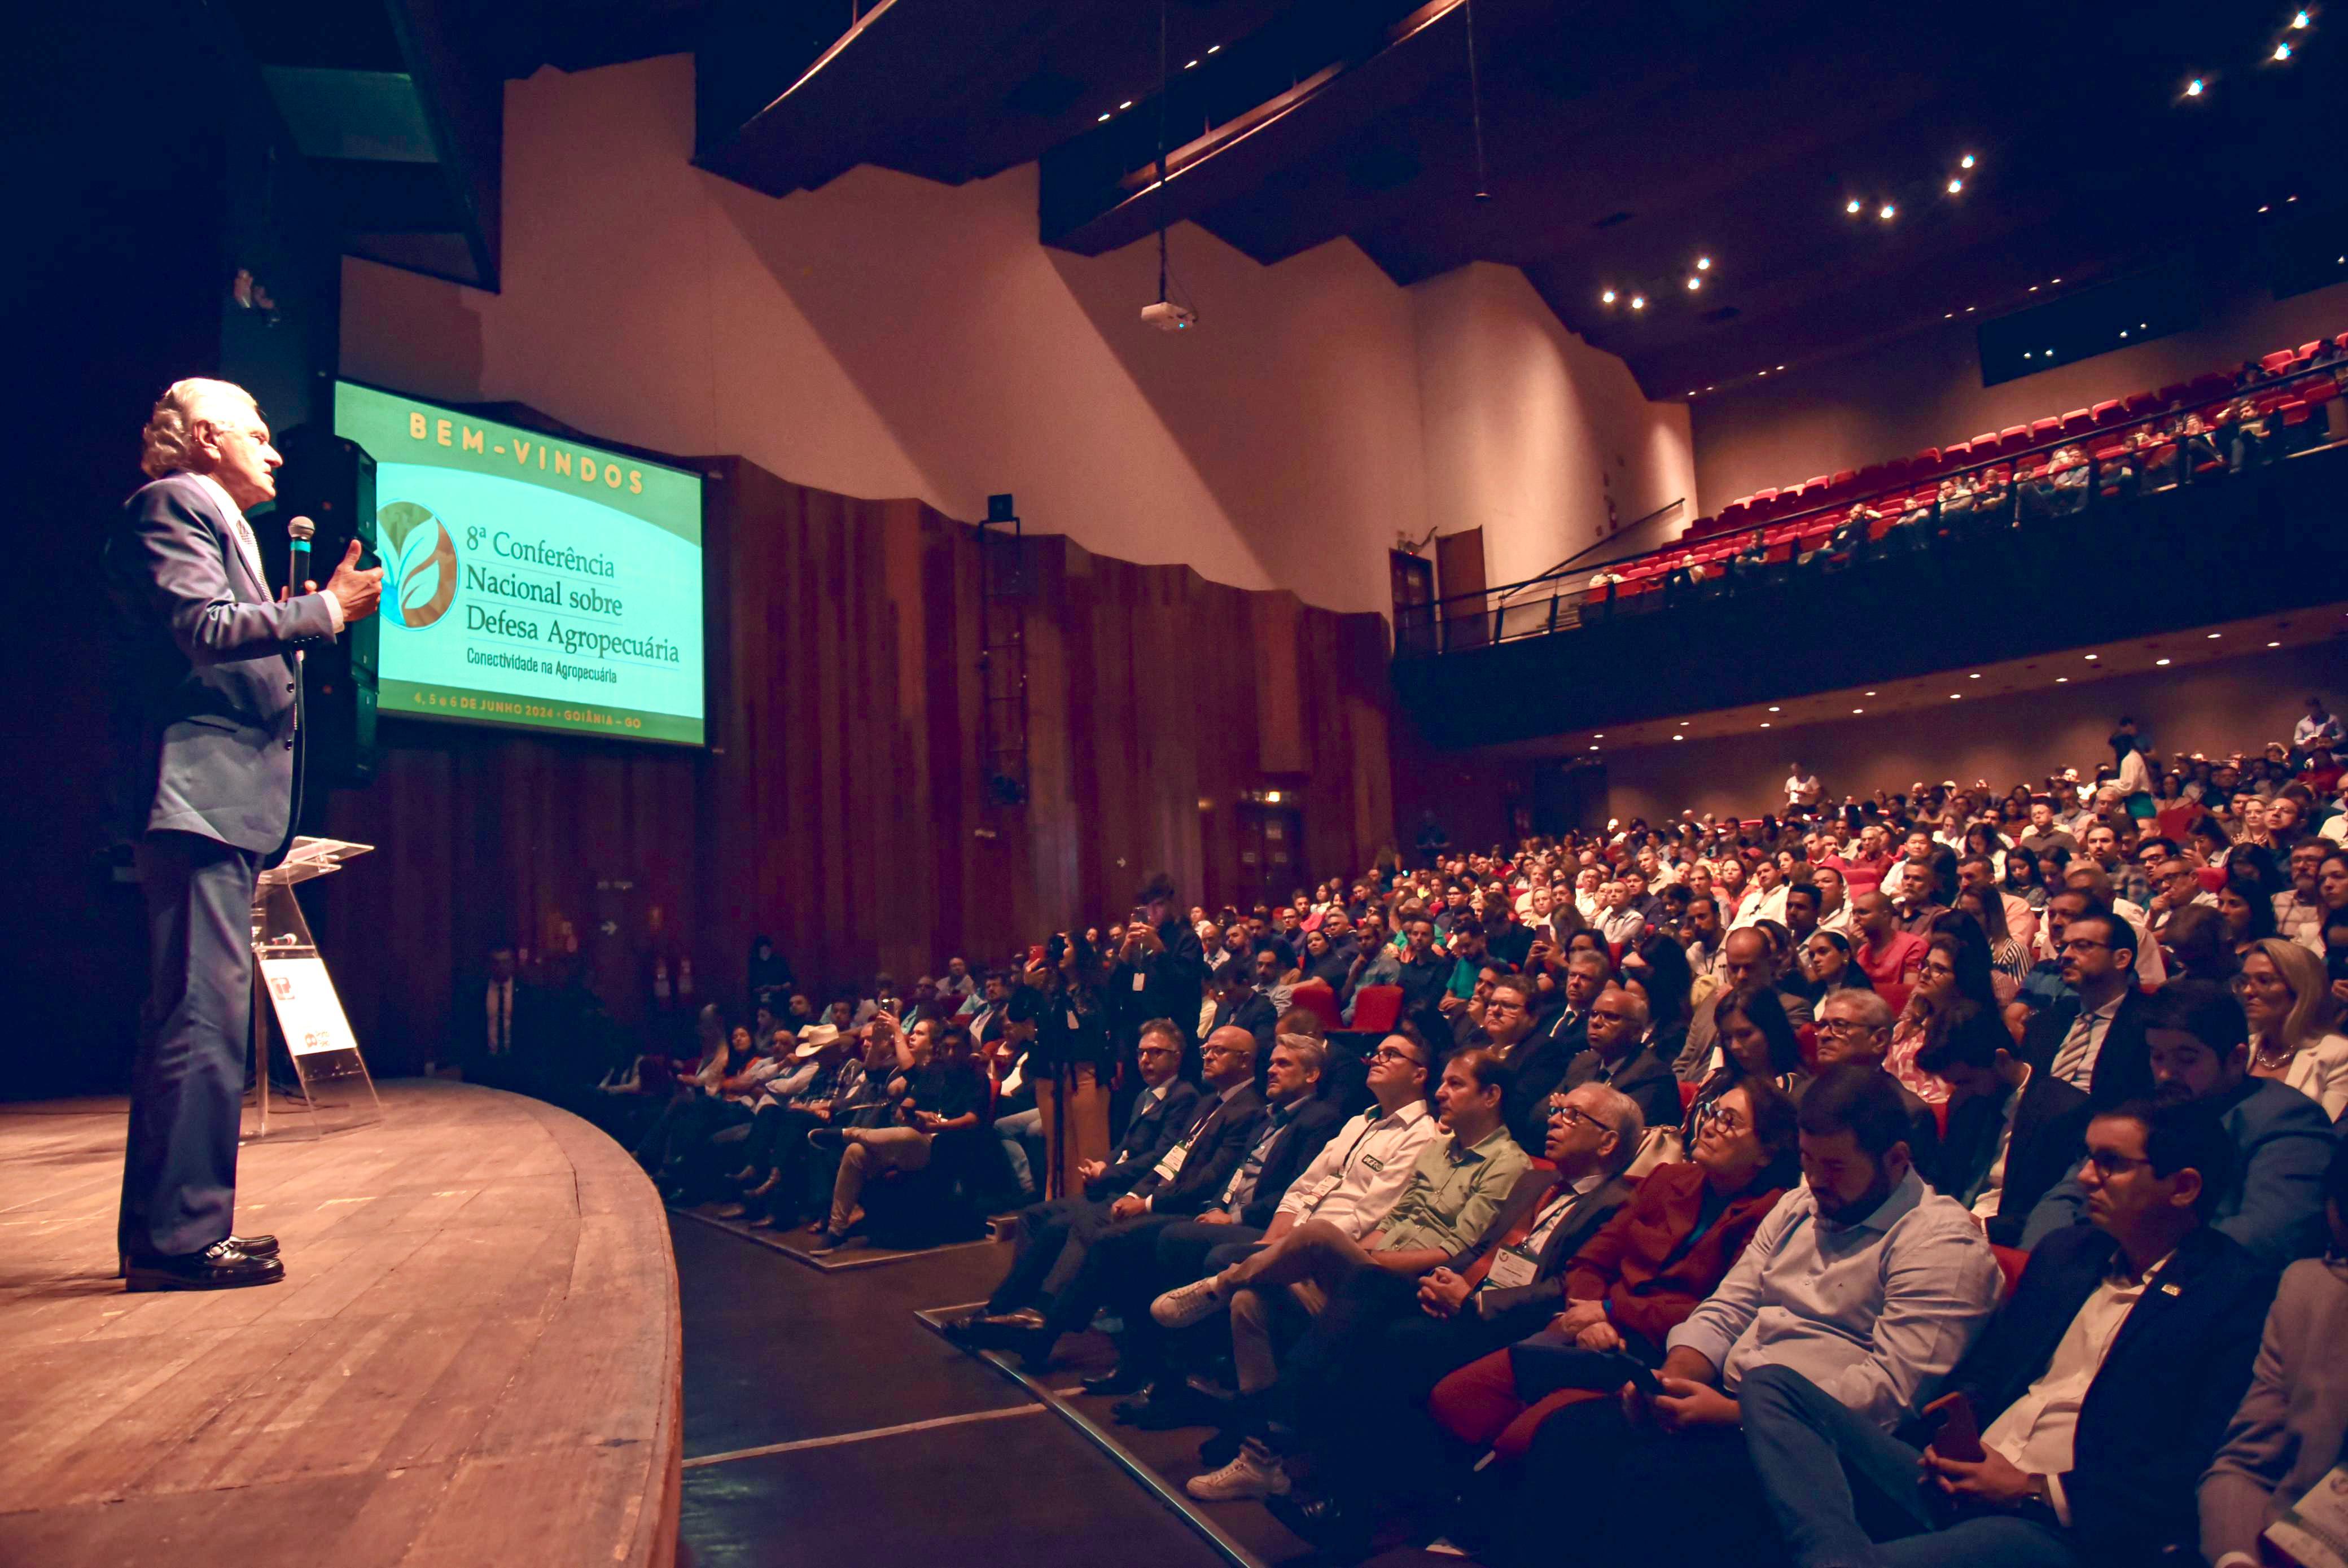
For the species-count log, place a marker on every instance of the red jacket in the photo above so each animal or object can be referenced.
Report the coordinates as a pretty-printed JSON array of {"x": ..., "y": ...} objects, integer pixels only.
[{"x": 1630, "y": 1264}]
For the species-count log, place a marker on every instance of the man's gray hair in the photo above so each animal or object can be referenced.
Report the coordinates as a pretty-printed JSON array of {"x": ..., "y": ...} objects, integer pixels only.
[
  {"x": 168, "y": 444},
  {"x": 1864, "y": 1007},
  {"x": 1621, "y": 1112},
  {"x": 1309, "y": 1054}
]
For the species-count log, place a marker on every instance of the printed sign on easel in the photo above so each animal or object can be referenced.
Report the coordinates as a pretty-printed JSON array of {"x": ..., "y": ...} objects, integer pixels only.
[{"x": 308, "y": 1011}]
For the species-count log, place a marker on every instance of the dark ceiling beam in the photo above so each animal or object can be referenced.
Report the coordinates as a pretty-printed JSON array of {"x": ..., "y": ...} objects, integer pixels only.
[
  {"x": 779, "y": 119},
  {"x": 1090, "y": 210}
]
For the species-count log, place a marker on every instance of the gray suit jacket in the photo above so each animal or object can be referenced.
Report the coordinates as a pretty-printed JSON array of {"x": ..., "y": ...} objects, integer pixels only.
[
  {"x": 2288, "y": 1431},
  {"x": 209, "y": 690}
]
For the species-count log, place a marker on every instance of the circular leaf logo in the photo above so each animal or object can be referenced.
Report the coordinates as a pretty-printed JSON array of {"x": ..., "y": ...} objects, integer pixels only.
[{"x": 420, "y": 563}]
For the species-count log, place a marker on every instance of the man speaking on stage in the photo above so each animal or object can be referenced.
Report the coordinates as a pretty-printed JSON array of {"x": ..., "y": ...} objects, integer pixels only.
[{"x": 211, "y": 673}]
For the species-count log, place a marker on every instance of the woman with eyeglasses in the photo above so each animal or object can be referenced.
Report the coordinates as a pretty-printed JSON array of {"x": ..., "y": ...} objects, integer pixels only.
[
  {"x": 2294, "y": 1034},
  {"x": 1756, "y": 1042},
  {"x": 1630, "y": 1285},
  {"x": 1937, "y": 987}
]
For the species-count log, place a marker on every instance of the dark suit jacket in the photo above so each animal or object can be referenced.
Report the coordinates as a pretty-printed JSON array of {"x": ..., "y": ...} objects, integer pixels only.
[
  {"x": 2157, "y": 1409},
  {"x": 1259, "y": 1017},
  {"x": 2124, "y": 1065},
  {"x": 1148, "y": 1134},
  {"x": 1316, "y": 1121},
  {"x": 1171, "y": 981},
  {"x": 1544, "y": 1296},
  {"x": 1647, "y": 1078},
  {"x": 1216, "y": 1151},
  {"x": 209, "y": 687},
  {"x": 2049, "y": 1127},
  {"x": 1539, "y": 1062}
]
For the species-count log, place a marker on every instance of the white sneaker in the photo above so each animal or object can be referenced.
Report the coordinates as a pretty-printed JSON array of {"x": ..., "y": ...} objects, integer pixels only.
[
  {"x": 1187, "y": 1304},
  {"x": 1256, "y": 1473}
]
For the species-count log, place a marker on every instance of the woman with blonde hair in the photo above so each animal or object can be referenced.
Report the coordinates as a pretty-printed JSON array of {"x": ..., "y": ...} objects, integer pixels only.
[{"x": 2293, "y": 1022}]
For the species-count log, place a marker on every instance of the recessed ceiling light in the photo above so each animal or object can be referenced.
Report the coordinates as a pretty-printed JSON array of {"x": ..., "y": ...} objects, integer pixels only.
[
  {"x": 1704, "y": 263},
  {"x": 1638, "y": 301},
  {"x": 1192, "y": 67},
  {"x": 2282, "y": 50},
  {"x": 1764, "y": 724},
  {"x": 2034, "y": 288},
  {"x": 1887, "y": 212},
  {"x": 1598, "y": 735},
  {"x": 1851, "y": 205},
  {"x": 1955, "y": 185},
  {"x": 1781, "y": 368},
  {"x": 1949, "y": 315},
  {"x": 1214, "y": 48},
  {"x": 1607, "y": 297},
  {"x": 1773, "y": 710},
  {"x": 2299, "y": 21},
  {"x": 2214, "y": 636},
  {"x": 1593, "y": 748},
  {"x": 2061, "y": 680},
  {"x": 1966, "y": 161},
  {"x": 1127, "y": 104},
  {"x": 1694, "y": 284},
  {"x": 2094, "y": 656},
  {"x": 2193, "y": 89},
  {"x": 1974, "y": 677},
  {"x": 1859, "y": 711},
  {"x": 1679, "y": 737},
  {"x": 1870, "y": 694},
  {"x": 1969, "y": 310},
  {"x": 1954, "y": 697},
  {"x": 2160, "y": 661},
  {"x": 2274, "y": 645},
  {"x": 1104, "y": 119},
  {"x": 2053, "y": 280}
]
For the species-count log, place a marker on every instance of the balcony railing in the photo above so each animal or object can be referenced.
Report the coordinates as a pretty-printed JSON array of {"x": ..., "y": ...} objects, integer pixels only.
[{"x": 2068, "y": 477}]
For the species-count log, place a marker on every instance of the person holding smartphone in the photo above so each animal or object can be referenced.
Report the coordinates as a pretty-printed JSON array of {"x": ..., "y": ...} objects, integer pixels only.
[{"x": 2106, "y": 1385}]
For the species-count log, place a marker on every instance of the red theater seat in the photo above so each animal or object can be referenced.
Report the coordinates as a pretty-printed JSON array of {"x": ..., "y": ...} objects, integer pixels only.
[
  {"x": 1375, "y": 1008},
  {"x": 2140, "y": 404},
  {"x": 2281, "y": 359},
  {"x": 2076, "y": 420},
  {"x": 2174, "y": 392},
  {"x": 2110, "y": 413},
  {"x": 2012, "y": 439},
  {"x": 2045, "y": 430},
  {"x": 2011, "y": 1261}
]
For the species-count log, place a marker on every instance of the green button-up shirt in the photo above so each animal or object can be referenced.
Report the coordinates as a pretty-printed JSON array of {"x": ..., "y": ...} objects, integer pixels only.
[{"x": 1454, "y": 1193}]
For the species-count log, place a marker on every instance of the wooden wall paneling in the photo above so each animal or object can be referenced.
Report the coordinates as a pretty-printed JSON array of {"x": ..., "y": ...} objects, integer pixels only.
[
  {"x": 1280, "y": 718},
  {"x": 1052, "y": 808}
]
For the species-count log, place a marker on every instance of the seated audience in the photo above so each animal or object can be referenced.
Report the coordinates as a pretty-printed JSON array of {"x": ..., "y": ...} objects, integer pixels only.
[
  {"x": 1747, "y": 959},
  {"x": 938, "y": 1091},
  {"x": 2272, "y": 1200},
  {"x": 1757, "y": 1041},
  {"x": 2098, "y": 1394},
  {"x": 1161, "y": 1114},
  {"x": 2101, "y": 1047},
  {"x": 1501, "y": 1285},
  {"x": 2286, "y": 1435},
  {"x": 1636, "y": 1279},
  {"x": 1456, "y": 1186},
  {"x": 1862, "y": 1281}
]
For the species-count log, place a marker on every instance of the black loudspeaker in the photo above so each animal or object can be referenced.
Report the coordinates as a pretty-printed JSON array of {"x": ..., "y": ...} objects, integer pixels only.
[{"x": 331, "y": 481}]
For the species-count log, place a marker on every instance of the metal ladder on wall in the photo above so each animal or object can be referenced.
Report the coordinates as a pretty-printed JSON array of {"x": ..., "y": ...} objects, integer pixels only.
[{"x": 1004, "y": 586}]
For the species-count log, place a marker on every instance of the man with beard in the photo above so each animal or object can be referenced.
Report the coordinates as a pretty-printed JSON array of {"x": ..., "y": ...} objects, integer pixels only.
[
  {"x": 2274, "y": 1202},
  {"x": 1863, "y": 1282}
]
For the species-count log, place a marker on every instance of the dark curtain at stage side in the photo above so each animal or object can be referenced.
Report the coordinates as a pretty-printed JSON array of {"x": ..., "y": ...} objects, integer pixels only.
[{"x": 840, "y": 807}]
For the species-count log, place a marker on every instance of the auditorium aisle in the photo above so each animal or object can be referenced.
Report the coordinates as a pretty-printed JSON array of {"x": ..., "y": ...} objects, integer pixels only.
[{"x": 777, "y": 1354}]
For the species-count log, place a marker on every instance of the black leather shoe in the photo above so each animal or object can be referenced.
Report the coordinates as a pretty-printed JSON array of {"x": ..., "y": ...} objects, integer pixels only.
[
  {"x": 251, "y": 1246},
  {"x": 218, "y": 1267},
  {"x": 1118, "y": 1380}
]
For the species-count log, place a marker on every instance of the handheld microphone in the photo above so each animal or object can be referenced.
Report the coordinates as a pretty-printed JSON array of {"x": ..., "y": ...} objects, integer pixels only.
[{"x": 300, "y": 530}]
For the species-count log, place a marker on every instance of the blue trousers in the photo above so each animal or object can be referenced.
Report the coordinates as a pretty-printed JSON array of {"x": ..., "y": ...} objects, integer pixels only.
[
  {"x": 1845, "y": 1494},
  {"x": 186, "y": 1081}
]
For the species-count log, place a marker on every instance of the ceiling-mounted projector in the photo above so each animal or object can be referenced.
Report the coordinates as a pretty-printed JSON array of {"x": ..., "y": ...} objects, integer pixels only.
[{"x": 1167, "y": 317}]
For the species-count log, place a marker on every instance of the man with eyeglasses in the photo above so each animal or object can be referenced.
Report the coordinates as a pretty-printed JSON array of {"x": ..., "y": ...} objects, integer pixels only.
[
  {"x": 2101, "y": 1391},
  {"x": 1536, "y": 1063},
  {"x": 1855, "y": 1026},
  {"x": 2176, "y": 885},
  {"x": 2101, "y": 1048},
  {"x": 2271, "y": 1200},
  {"x": 1620, "y": 1058}
]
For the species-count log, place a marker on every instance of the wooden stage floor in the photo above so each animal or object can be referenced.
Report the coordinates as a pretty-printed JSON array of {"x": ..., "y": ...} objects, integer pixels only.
[{"x": 474, "y": 1358}]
